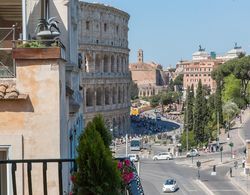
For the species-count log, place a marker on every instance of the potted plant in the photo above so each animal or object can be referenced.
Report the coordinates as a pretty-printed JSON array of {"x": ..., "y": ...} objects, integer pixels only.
[{"x": 47, "y": 29}]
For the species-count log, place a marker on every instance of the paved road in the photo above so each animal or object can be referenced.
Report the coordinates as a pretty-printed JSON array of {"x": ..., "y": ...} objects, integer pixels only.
[{"x": 153, "y": 174}]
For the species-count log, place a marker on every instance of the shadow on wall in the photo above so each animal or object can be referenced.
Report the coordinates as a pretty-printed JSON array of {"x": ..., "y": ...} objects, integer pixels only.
[
  {"x": 35, "y": 15},
  {"x": 16, "y": 105}
]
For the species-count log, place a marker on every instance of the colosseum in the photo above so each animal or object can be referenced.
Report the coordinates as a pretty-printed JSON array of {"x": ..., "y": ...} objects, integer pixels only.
[{"x": 103, "y": 44}]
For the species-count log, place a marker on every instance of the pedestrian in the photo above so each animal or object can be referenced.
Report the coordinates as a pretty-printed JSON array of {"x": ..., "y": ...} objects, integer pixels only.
[
  {"x": 231, "y": 172},
  {"x": 243, "y": 162}
]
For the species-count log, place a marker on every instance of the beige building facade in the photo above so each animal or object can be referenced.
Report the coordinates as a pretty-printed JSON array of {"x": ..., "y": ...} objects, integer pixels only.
[
  {"x": 202, "y": 65},
  {"x": 149, "y": 77},
  {"x": 40, "y": 102},
  {"x": 103, "y": 44}
]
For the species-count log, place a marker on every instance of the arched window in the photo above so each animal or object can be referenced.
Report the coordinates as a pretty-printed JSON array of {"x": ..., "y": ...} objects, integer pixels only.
[
  {"x": 114, "y": 100},
  {"x": 97, "y": 63},
  {"x": 106, "y": 68},
  {"x": 112, "y": 64},
  {"x": 107, "y": 96},
  {"x": 99, "y": 96},
  {"x": 89, "y": 97}
]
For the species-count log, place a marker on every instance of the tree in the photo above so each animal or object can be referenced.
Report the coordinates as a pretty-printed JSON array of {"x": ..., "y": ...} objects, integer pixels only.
[
  {"x": 171, "y": 85},
  {"x": 230, "y": 110},
  {"x": 188, "y": 118},
  {"x": 240, "y": 67},
  {"x": 218, "y": 100},
  {"x": 104, "y": 132},
  {"x": 199, "y": 114},
  {"x": 134, "y": 90},
  {"x": 155, "y": 100},
  {"x": 179, "y": 80},
  {"x": 97, "y": 172}
]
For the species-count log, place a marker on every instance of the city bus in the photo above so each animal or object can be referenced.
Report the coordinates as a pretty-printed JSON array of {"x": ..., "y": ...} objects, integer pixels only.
[{"x": 136, "y": 144}]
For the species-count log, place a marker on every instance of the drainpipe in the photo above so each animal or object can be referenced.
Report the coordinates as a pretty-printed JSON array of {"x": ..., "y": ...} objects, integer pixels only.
[{"x": 24, "y": 23}]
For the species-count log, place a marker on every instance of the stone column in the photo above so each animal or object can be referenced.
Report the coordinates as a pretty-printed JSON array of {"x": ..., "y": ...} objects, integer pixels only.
[
  {"x": 94, "y": 100},
  {"x": 102, "y": 63},
  {"x": 109, "y": 63},
  {"x": 93, "y": 68}
]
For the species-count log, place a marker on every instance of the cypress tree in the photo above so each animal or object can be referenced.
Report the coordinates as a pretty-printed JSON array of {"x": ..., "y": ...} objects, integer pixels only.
[
  {"x": 104, "y": 132},
  {"x": 198, "y": 115},
  {"x": 97, "y": 172},
  {"x": 218, "y": 101}
]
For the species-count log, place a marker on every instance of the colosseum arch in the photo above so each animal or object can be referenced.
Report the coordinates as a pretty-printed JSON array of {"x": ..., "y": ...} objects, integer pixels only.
[
  {"x": 114, "y": 99},
  {"x": 99, "y": 96},
  {"x": 98, "y": 66},
  {"x": 106, "y": 63},
  {"x": 118, "y": 64},
  {"x": 90, "y": 97},
  {"x": 88, "y": 62},
  {"x": 107, "y": 93},
  {"x": 112, "y": 64},
  {"x": 119, "y": 94}
]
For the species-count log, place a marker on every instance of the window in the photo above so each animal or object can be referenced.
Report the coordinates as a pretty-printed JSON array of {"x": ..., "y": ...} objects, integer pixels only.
[
  {"x": 117, "y": 29},
  {"x": 105, "y": 27},
  {"x": 87, "y": 25},
  {"x": 97, "y": 41}
]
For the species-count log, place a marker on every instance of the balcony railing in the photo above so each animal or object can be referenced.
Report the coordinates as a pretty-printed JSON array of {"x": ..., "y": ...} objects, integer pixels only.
[
  {"x": 134, "y": 187},
  {"x": 7, "y": 64},
  {"x": 29, "y": 164}
]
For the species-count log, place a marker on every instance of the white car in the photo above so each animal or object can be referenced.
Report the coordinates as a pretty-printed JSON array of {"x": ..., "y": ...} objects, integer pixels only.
[
  {"x": 193, "y": 153},
  {"x": 163, "y": 156},
  {"x": 170, "y": 185},
  {"x": 133, "y": 157}
]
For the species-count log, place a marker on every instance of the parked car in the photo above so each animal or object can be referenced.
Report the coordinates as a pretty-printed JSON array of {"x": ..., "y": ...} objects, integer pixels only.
[
  {"x": 193, "y": 153},
  {"x": 170, "y": 185},
  {"x": 163, "y": 156},
  {"x": 133, "y": 157}
]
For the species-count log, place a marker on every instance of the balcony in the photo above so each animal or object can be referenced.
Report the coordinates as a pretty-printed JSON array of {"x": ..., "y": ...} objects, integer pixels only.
[
  {"x": 134, "y": 187},
  {"x": 7, "y": 64}
]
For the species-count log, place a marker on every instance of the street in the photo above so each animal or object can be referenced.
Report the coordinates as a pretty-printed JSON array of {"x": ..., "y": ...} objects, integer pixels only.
[{"x": 154, "y": 173}]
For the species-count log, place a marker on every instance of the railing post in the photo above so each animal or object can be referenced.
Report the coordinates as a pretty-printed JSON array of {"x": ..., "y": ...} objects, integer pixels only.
[
  {"x": 13, "y": 171},
  {"x": 29, "y": 168},
  {"x": 45, "y": 191},
  {"x": 60, "y": 178}
]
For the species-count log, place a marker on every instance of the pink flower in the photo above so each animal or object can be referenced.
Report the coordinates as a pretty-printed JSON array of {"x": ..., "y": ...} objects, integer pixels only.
[
  {"x": 71, "y": 193},
  {"x": 119, "y": 165},
  {"x": 127, "y": 162},
  {"x": 73, "y": 178}
]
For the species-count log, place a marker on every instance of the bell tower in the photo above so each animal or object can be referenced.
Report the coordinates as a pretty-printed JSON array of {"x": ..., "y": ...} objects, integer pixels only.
[{"x": 140, "y": 56}]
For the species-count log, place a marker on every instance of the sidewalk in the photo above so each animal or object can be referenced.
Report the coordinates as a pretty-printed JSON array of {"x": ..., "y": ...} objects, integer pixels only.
[{"x": 239, "y": 178}]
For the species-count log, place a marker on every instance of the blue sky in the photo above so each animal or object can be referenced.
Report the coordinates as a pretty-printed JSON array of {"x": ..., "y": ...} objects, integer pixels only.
[{"x": 170, "y": 30}]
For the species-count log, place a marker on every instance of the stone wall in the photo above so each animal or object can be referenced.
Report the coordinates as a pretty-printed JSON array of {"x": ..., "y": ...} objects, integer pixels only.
[{"x": 103, "y": 43}]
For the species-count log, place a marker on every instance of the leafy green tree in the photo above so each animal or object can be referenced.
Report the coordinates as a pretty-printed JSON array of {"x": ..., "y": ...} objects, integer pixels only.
[
  {"x": 97, "y": 173},
  {"x": 191, "y": 140},
  {"x": 179, "y": 80},
  {"x": 104, "y": 132},
  {"x": 171, "y": 86},
  {"x": 230, "y": 110},
  {"x": 155, "y": 100},
  {"x": 134, "y": 90}
]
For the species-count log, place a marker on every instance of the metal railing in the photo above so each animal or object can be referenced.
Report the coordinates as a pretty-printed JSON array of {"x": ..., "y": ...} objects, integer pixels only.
[
  {"x": 7, "y": 64},
  {"x": 44, "y": 162}
]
